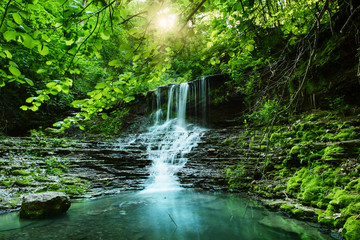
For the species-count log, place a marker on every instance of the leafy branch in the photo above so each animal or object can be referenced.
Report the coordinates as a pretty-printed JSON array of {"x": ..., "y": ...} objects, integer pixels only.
[{"x": 5, "y": 13}]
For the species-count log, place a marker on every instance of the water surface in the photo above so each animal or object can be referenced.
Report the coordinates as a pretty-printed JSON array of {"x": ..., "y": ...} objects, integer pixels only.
[{"x": 181, "y": 214}]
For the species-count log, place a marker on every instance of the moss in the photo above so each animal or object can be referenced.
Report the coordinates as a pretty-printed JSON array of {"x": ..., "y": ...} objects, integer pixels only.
[
  {"x": 20, "y": 172},
  {"x": 299, "y": 212},
  {"x": 346, "y": 134},
  {"x": 327, "y": 137},
  {"x": 295, "y": 181},
  {"x": 24, "y": 183},
  {"x": 304, "y": 126},
  {"x": 56, "y": 171},
  {"x": 295, "y": 151},
  {"x": 228, "y": 142},
  {"x": 287, "y": 208},
  {"x": 52, "y": 187},
  {"x": 353, "y": 185},
  {"x": 342, "y": 199},
  {"x": 74, "y": 190},
  {"x": 331, "y": 151},
  {"x": 5, "y": 183},
  {"x": 351, "y": 230},
  {"x": 302, "y": 155},
  {"x": 326, "y": 220},
  {"x": 351, "y": 209},
  {"x": 41, "y": 178}
]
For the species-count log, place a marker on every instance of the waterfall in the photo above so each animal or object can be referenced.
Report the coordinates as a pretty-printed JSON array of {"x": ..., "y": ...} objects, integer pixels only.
[
  {"x": 170, "y": 140},
  {"x": 158, "y": 113}
]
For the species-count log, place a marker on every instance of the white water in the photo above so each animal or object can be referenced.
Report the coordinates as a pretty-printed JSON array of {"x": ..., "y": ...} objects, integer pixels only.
[{"x": 169, "y": 141}]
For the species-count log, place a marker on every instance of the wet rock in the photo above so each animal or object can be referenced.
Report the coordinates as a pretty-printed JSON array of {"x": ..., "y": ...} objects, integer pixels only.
[{"x": 41, "y": 205}]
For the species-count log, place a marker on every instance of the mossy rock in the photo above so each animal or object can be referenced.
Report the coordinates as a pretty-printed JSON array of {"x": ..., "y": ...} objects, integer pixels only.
[
  {"x": 24, "y": 183},
  {"x": 342, "y": 199},
  {"x": 305, "y": 126},
  {"x": 20, "y": 172},
  {"x": 326, "y": 221},
  {"x": 41, "y": 205},
  {"x": 287, "y": 208},
  {"x": 333, "y": 152},
  {"x": 295, "y": 181},
  {"x": 346, "y": 134},
  {"x": 6, "y": 183},
  {"x": 351, "y": 230},
  {"x": 351, "y": 209}
]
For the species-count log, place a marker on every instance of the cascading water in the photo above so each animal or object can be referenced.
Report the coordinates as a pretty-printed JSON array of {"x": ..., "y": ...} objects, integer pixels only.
[
  {"x": 168, "y": 214},
  {"x": 168, "y": 141}
]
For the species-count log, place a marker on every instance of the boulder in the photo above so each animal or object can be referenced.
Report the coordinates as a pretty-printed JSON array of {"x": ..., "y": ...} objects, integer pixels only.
[{"x": 41, "y": 205}]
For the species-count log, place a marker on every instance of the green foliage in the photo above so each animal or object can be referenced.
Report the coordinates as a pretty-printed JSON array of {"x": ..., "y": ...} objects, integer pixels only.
[
  {"x": 236, "y": 175},
  {"x": 56, "y": 166},
  {"x": 265, "y": 114},
  {"x": 108, "y": 125},
  {"x": 352, "y": 228},
  {"x": 338, "y": 104},
  {"x": 105, "y": 52}
]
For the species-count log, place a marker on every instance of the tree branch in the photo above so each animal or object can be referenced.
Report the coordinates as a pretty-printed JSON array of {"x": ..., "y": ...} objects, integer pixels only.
[
  {"x": 87, "y": 38},
  {"x": 192, "y": 14},
  {"x": 6, "y": 9},
  {"x": 131, "y": 17},
  {"x": 349, "y": 18}
]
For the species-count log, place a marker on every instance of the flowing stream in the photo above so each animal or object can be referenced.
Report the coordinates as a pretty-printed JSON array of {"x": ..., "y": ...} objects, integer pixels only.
[{"x": 164, "y": 210}]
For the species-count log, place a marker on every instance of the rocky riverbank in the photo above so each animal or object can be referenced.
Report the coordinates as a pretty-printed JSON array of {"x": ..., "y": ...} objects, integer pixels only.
[
  {"x": 80, "y": 168},
  {"x": 309, "y": 168}
]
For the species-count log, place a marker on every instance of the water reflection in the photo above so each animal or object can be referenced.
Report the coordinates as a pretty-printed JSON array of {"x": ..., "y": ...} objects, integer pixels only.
[{"x": 163, "y": 215}]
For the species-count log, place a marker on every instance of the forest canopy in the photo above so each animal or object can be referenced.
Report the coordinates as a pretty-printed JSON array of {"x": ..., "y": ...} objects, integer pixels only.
[{"x": 96, "y": 54}]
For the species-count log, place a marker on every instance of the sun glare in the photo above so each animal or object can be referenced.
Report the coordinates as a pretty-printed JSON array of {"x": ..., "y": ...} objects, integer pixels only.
[{"x": 165, "y": 20}]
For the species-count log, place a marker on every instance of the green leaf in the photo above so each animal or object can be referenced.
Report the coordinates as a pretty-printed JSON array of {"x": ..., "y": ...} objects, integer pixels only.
[
  {"x": 98, "y": 45},
  {"x": 118, "y": 90},
  {"x": 43, "y": 50},
  {"x": 33, "y": 108},
  {"x": 29, "y": 81},
  {"x": 54, "y": 91},
  {"x": 115, "y": 63},
  {"x": 129, "y": 99},
  {"x": 10, "y": 35},
  {"x": 136, "y": 57},
  {"x": 51, "y": 84},
  {"x": 29, "y": 100},
  {"x": 104, "y": 116},
  {"x": 17, "y": 18},
  {"x": 65, "y": 88},
  {"x": 41, "y": 70},
  {"x": 69, "y": 43},
  {"x": 29, "y": 42},
  {"x": 14, "y": 71},
  {"x": 105, "y": 35},
  {"x": 73, "y": 50},
  {"x": 97, "y": 96},
  {"x": 100, "y": 85},
  {"x": 45, "y": 37},
  {"x": 8, "y": 54},
  {"x": 24, "y": 108},
  {"x": 36, "y": 34},
  {"x": 133, "y": 31},
  {"x": 250, "y": 47}
]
